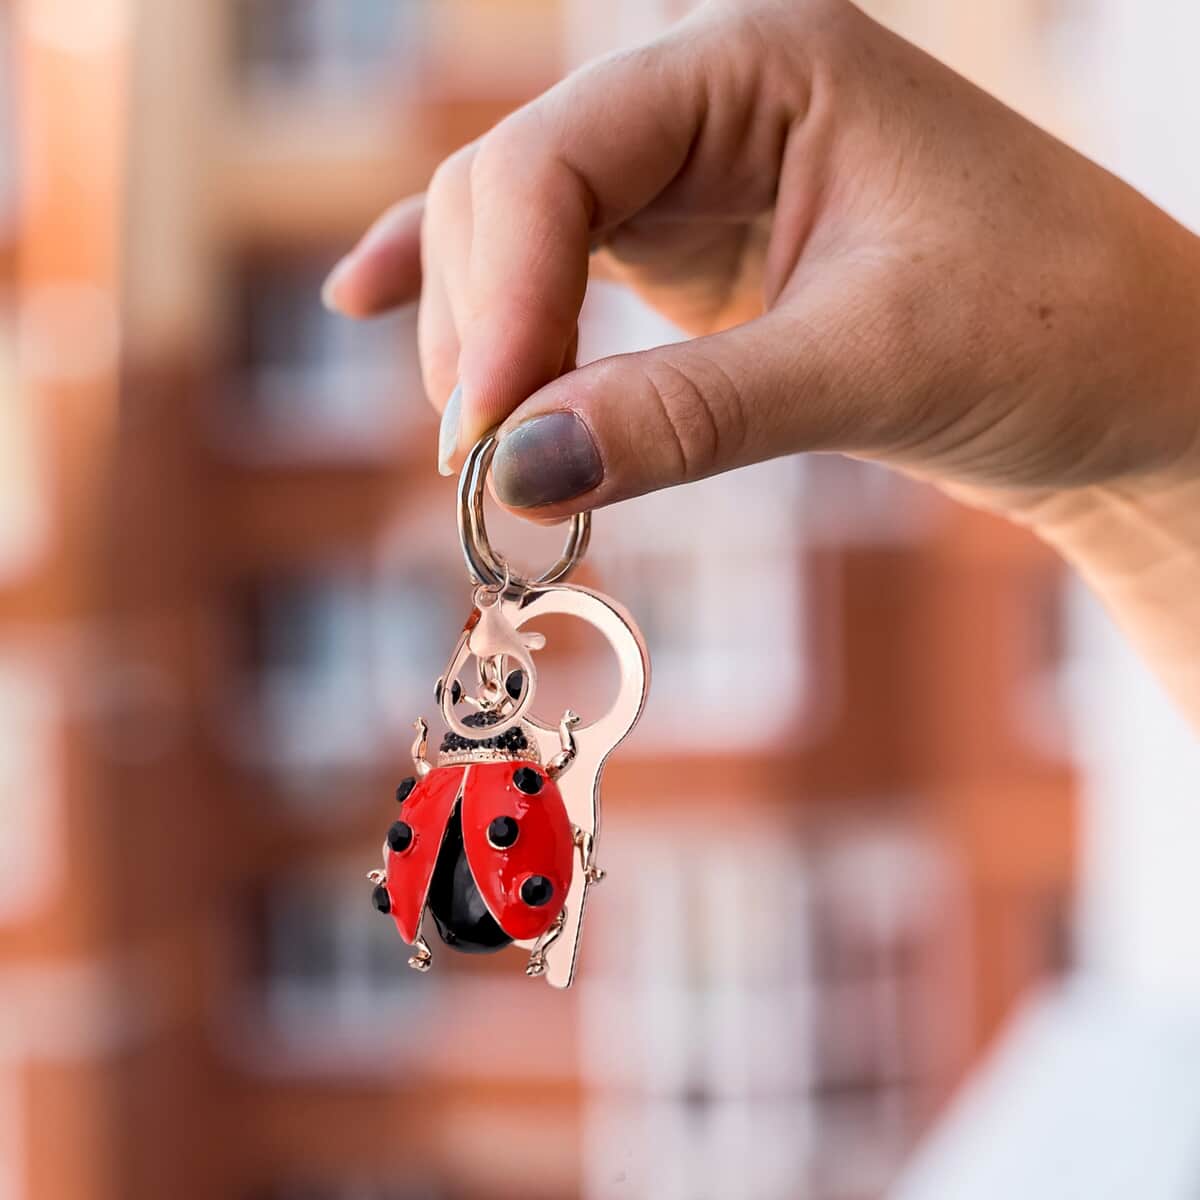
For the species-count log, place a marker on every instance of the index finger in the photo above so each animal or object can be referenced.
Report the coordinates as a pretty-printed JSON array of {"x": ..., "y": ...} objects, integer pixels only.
[{"x": 545, "y": 182}]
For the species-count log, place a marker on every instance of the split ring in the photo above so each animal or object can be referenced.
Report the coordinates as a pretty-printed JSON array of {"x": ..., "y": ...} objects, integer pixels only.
[{"x": 485, "y": 565}]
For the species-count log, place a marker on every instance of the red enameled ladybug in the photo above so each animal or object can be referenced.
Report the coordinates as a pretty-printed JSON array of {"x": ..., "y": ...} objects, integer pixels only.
[{"x": 483, "y": 843}]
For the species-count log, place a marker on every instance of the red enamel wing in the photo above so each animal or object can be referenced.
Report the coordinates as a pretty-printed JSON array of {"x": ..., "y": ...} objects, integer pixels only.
[{"x": 483, "y": 844}]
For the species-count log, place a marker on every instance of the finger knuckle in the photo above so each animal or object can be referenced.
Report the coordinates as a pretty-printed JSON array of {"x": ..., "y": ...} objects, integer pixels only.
[
  {"x": 451, "y": 174},
  {"x": 698, "y": 407},
  {"x": 498, "y": 151},
  {"x": 827, "y": 10}
]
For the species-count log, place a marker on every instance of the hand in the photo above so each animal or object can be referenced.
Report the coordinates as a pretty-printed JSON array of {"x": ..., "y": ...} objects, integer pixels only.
[{"x": 874, "y": 256}]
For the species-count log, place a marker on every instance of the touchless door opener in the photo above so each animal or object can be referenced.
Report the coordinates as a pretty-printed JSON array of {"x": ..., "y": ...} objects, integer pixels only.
[{"x": 495, "y": 843}]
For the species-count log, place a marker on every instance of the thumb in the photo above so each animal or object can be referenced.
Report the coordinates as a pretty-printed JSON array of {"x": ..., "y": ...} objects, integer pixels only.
[{"x": 634, "y": 423}]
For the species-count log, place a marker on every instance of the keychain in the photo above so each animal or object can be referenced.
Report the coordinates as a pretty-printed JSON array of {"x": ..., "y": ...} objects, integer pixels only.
[{"x": 496, "y": 841}]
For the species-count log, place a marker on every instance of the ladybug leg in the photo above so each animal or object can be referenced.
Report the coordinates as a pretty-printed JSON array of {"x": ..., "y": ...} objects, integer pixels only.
[
  {"x": 419, "y": 747},
  {"x": 563, "y": 759},
  {"x": 536, "y": 966},
  {"x": 585, "y": 843},
  {"x": 422, "y": 960}
]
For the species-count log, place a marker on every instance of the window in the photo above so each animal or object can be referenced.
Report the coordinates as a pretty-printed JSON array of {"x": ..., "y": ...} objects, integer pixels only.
[
  {"x": 309, "y": 384},
  {"x": 696, "y": 1020},
  {"x": 722, "y": 601},
  {"x": 876, "y": 896},
  {"x": 305, "y": 675},
  {"x": 787, "y": 1019},
  {"x": 890, "y": 1023},
  {"x": 331, "y": 667},
  {"x": 330, "y": 975},
  {"x": 324, "y": 45},
  {"x": 418, "y": 610}
]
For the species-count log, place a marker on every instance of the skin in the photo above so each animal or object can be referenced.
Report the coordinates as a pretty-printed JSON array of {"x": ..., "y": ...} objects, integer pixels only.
[{"x": 871, "y": 257}]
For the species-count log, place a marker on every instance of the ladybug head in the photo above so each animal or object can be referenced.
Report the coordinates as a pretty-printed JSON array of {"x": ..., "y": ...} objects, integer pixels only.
[{"x": 512, "y": 745}]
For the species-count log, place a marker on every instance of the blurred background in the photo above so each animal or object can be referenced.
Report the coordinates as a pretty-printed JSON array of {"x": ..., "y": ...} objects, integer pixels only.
[{"x": 901, "y": 894}]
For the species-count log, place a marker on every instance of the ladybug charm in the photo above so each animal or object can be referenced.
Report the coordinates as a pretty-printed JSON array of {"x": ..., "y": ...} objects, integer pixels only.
[
  {"x": 483, "y": 844},
  {"x": 494, "y": 843}
]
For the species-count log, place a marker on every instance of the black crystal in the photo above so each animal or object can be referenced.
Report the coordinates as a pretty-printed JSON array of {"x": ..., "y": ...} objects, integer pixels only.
[
  {"x": 512, "y": 740},
  {"x": 481, "y": 719},
  {"x": 536, "y": 891},
  {"x": 502, "y": 832},
  {"x": 514, "y": 683},
  {"x": 528, "y": 780},
  {"x": 381, "y": 899},
  {"x": 405, "y": 788},
  {"x": 462, "y": 919},
  {"x": 400, "y": 836}
]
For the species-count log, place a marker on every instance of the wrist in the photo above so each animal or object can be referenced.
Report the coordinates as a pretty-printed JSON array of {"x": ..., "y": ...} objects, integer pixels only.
[
  {"x": 1123, "y": 532},
  {"x": 1138, "y": 547}
]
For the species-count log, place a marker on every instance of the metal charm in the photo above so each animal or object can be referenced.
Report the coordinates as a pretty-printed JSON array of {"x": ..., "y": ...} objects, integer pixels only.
[{"x": 496, "y": 842}]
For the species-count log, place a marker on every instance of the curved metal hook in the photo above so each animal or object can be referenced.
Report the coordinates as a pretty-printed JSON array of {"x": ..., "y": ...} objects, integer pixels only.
[
  {"x": 580, "y": 786},
  {"x": 618, "y": 628}
]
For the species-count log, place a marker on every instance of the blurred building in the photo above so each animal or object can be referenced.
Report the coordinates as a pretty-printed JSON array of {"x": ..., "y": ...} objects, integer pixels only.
[{"x": 840, "y": 846}]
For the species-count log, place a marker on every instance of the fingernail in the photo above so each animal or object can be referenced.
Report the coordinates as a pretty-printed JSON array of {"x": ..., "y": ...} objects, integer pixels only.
[
  {"x": 448, "y": 432},
  {"x": 332, "y": 282},
  {"x": 546, "y": 460}
]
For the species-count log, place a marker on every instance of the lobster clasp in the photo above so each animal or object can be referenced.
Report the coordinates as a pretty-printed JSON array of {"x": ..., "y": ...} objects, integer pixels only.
[{"x": 504, "y": 661}]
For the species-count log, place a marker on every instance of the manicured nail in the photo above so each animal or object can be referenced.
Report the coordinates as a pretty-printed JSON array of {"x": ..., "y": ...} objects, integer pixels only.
[
  {"x": 546, "y": 460},
  {"x": 448, "y": 433},
  {"x": 333, "y": 281}
]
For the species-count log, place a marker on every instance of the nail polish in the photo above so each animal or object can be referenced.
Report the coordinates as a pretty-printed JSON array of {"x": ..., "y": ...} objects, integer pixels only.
[
  {"x": 546, "y": 460},
  {"x": 330, "y": 286},
  {"x": 449, "y": 430}
]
